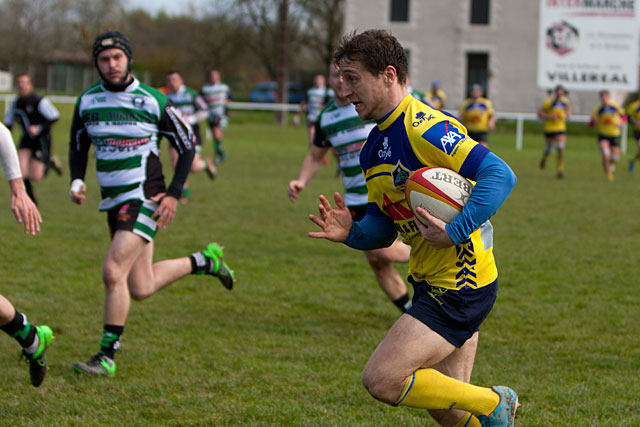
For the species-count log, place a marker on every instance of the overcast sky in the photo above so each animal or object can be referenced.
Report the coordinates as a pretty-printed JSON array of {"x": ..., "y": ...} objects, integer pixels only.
[{"x": 171, "y": 7}]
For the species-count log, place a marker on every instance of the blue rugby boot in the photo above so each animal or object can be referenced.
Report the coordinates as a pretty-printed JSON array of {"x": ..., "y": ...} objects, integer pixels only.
[{"x": 505, "y": 413}]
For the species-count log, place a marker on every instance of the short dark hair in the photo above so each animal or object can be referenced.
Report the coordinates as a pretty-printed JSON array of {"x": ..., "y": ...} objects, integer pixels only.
[
  {"x": 22, "y": 74},
  {"x": 173, "y": 71},
  {"x": 375, "y": 49}
]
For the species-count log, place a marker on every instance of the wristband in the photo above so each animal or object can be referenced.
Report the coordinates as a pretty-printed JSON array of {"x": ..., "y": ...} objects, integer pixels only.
[{"x": 76, "y": 186}]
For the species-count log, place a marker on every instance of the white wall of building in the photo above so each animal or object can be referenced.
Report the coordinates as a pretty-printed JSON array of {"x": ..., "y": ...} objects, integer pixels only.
[
  {"x": 439, "y": 36},
  {"x": 5, "y": 81}
]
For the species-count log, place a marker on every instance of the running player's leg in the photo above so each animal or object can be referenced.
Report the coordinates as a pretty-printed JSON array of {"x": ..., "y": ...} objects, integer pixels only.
[
  {"x": 201, "y": 163},
  {"x": 42, "y": 155},
  {"x": 605, "y": 150},
  {"x": 458, "y": 365},
  {"x": 24, "y": 156},
  {"x": 387, "y": 276},
  {"x": 560, "y": 141},
  {"x": 37, "y": 169},
  {"x": 123, "y": 251},
  {"x": 34, "y": 340},
  {"x": 548, "y": 147},
  {"x": 615, "y": 157},
  {"x": 401, "y": 372},
  {"x": 147, "y": 278},
  {"x": 220, "y": 154}
]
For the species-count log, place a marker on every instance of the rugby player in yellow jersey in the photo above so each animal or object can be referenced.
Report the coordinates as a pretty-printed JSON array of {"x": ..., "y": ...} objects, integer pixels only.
[
  {"x": 608, "y": 118},
  {"x": 555, "y": 111},
  {"x": 478, "y": 116},
  {"x": 426, "y": 359},
  {"x": 633, "y": 113},
  {"x": 436, "y": 95}
]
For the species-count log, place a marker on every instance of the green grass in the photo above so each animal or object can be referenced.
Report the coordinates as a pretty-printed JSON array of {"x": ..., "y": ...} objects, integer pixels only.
[{"x": 287, "y": 345}]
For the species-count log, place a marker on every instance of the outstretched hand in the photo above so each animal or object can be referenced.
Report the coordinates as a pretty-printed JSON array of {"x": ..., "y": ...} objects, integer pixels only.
[
  {"x": 26, "y": 212},
  {"x": 335, "y": 223},
  {"x": 433, "y": 229}
]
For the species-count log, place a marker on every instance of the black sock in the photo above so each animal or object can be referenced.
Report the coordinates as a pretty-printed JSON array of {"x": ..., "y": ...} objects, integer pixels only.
[
  {"x": 199, "y": 263},
  {"x": 20, "y": 329},
  {"x": 403, "y": 303},
  {"x": 111, "y": 340},
  {"x": 27, "y": 186}
]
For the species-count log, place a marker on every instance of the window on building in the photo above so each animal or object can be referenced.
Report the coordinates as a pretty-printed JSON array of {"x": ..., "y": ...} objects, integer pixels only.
[
  {"x": 399, "y": 10},
  {"x": 478, "y": 71},
  {"x": 480, "y": 12}
]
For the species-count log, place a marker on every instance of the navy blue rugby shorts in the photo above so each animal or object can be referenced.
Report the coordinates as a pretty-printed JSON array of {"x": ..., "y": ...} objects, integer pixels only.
[{"x": 454, "y": 315}]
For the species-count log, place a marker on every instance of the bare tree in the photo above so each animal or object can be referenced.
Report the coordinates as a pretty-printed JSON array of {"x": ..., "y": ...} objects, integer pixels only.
[
  {"x": 324, "y": 21},
  {"x": 283, "y": 71},
  {"x": 30, "y": 29}
]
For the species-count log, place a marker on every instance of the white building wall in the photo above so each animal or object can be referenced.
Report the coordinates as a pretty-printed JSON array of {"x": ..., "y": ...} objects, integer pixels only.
[{"x": 439, "y": 36}]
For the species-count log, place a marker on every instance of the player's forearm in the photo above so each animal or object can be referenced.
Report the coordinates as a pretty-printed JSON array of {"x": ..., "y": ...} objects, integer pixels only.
[
  {"x": 16, "y": 186},
  {"x": 310, "y": 166},
  {"x": 372, "y": 232},
  {"x": 183, "y": 166},
  {"x": 494, "y": 182},
  {"x": 77, "y": 163},
  {"x": 9, "y": 155}
]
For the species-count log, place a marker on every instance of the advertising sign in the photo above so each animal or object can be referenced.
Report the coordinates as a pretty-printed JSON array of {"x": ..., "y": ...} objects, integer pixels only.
[{"x": 588, "y": 44}]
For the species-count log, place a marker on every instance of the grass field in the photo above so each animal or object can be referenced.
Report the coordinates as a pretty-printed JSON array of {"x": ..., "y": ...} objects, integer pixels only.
[{"x": 287, "y": 345}]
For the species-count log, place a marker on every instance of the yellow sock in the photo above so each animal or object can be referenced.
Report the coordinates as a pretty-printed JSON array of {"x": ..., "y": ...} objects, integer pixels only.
[
  {"x": 560, "y": 165},
  {"x": 430, "y": 389},
  {"x": 468, "y": 421}
]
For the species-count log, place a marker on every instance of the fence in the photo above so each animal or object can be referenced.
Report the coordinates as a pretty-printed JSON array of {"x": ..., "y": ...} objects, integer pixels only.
[{"x": 269, "y": 106}]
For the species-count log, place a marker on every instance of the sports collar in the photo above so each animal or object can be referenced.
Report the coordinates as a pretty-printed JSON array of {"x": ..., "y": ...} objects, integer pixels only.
[{"x": 391, "y": 117}]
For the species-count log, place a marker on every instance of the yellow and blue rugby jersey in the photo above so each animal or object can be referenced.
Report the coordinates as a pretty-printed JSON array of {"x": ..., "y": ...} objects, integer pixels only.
[
  {"x": 607, "y": 117},
  {"x": 558, "y": 106},
  {"x": 414, "y": 136},
  {"x": 437, "y": 98},
  {"x": 633, "y": 111},
  {"x": 475, "y": 114}
]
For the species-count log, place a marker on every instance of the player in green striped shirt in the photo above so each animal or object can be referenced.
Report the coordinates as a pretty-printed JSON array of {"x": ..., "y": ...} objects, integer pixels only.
[
  {"x": 194, "y": 109},
  {"x": 339, "y": 126},
  {"x": 124, "y": 120}
]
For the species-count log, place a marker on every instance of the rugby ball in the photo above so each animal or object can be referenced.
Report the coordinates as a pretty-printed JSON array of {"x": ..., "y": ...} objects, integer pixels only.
[{"x": 441, "y": 191}]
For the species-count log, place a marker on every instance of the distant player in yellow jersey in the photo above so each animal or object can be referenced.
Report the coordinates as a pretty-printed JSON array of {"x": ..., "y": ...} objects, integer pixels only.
[
  {"x": 477, "y": 115},
  {"x": 436, "y": 95},
  {"x": 426, "y": 359},
  {"x": 555, "y": 111},
  {"x": 608, "y": 118},
  {"x": 633, "y": 112}
]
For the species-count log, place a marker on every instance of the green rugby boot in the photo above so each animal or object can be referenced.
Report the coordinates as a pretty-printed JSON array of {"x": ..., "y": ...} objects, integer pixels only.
[
  {"x": 219, "y": 268},
  {"x": 37, "y": 364},
  {"x": 98, "y": 365}
]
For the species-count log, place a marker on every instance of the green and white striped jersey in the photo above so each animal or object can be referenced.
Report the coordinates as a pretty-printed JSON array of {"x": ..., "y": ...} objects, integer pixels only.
[
  {"x": 216, "y": 96},
  {"x": 316, "y": 99},
  {"x": 124, "y": 127},
  {"x": 341, "y": 128},
  {"x": 187, "y": 100}
]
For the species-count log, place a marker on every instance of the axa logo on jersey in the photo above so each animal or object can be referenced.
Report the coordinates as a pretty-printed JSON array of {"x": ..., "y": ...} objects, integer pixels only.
[
  {"x": 444, "y": 136},
  {"x": 385, "y": 152}
]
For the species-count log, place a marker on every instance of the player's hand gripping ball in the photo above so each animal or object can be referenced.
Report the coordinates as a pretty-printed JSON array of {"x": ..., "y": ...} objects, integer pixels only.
[{"x": 441, "y": 191}]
